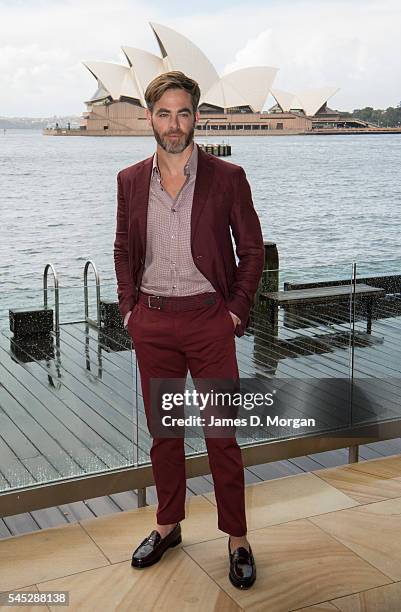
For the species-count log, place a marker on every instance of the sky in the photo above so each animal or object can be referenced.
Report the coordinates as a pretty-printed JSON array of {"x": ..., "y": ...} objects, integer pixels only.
[{"x": 351, "y": 44}]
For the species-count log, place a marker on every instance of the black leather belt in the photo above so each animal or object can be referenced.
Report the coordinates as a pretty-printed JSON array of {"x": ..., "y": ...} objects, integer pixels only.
[{"x": 177, "y": 303}]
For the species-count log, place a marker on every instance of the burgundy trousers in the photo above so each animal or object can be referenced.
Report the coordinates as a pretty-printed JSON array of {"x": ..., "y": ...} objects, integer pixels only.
[{"x": 167, "y": 345}]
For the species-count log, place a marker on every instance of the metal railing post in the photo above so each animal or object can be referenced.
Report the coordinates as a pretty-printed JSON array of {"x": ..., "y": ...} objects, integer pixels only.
[
  {"x": 56, "y": 294},
  {"x": 353, "y": 450},
  {"x": 141, "y": 497},
  {"x": 87, "y": 318}
]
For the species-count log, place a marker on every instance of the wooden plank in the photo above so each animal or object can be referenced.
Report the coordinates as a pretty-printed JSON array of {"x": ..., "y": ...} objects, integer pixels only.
[
  {"x": 49, "y": 517},
  {"x": 77, "y": 511},
  {"x": 389, "y": 282},
  {"x": 311, "y": 381},
  {"x": 127, "y": 401},
  {"x": 74, "y": 332},
  {"x": 101, "y": 505},
  {"x": 4, "y": 484},
  {"x": 90, "y": 447},
  {"x": 21, "y": 444},
  {"x": 306, "y": 463},
  {"x": 198, "y": 485},
  {"x": 55, "y": 441},
  {"x": 101, "y": 407},
  {"x": 12, "y": 469},
  {"x": 114, "y": 390},
  {"x": 110, "y": 409},
  {"x": 387, "y": 447},
  {"x": 275, "y": 469},
  {"x": 4, "y": 531},
  {"x": 317, "y": 294},
  {"x": 250, "y": 477},
  {"x": 116, "y": 381},
  {"x": 289, "y": 365},
  {"x": 87, "y": 411},
  {"x": 41, "y": 469},
  {"x": 122, "y": 362},
  {"x": 366, "y": 453},
  {"x": 347, "y": 370},
  {"x": 117, "y": 403},
  {"x": 126, "y": 500},
  {"x": 331, "y": 458},
  {"x": 21, "y": 523}
]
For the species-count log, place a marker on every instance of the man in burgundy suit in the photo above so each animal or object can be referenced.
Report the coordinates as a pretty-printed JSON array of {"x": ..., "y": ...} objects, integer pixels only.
[{"x": 184, "y": 298}]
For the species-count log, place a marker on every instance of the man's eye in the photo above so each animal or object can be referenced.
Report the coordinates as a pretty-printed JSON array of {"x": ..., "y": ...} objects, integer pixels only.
[{"x": 184, "y": 115}]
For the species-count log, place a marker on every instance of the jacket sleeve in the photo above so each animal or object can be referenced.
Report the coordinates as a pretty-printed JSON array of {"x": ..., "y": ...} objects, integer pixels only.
[
  {"x": 125, "y": 285},
  {"x": 248, "y": 238}
]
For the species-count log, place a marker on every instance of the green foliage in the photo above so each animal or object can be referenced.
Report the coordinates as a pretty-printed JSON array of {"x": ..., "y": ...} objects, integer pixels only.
[{"x": 391, "y": 117}]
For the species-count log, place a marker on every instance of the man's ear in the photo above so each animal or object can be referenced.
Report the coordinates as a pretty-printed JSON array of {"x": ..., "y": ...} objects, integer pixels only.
[
  {"x": 197, "y": 116},
  {"x": 149, "y": 117}
]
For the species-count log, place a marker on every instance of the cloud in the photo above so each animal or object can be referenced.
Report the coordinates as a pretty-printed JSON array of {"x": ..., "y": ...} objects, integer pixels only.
[
  {"x": 354, "y": 46},
  {"x": 43, "y": 44}
]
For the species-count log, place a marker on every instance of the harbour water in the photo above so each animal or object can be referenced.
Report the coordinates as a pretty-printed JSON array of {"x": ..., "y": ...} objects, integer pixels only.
[{"x": 325, "y": 200}]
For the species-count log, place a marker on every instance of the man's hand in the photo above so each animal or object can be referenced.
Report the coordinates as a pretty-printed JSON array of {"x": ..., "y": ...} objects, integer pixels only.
[
  {"x": 236, "y": 320},
  {"x": 127, "y": 316}
]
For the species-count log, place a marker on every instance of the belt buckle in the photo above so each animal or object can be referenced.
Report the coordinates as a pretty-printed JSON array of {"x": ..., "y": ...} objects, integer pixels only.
[{"x": 158, "y": 297}]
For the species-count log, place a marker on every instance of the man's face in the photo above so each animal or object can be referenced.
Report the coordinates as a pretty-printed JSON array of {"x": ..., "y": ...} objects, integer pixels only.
[{"x": 173, "y": 120}]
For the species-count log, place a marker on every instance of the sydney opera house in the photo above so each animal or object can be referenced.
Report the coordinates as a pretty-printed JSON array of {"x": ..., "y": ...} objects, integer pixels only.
[{"x": 231, "y": 104}]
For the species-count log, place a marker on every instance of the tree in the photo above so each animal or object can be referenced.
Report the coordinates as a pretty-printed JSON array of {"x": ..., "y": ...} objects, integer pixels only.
[{"x": 390, "y": 117}]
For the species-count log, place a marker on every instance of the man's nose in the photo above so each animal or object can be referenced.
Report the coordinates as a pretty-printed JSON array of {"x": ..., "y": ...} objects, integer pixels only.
[{"x": 174, "y": 122}]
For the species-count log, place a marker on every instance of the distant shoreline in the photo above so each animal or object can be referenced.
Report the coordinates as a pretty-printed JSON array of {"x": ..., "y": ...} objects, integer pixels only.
[{"x": 224, "y": 133}]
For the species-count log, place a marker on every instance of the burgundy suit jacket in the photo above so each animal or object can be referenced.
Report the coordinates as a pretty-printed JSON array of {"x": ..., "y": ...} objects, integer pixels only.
[{"x": 222, "y": 200}]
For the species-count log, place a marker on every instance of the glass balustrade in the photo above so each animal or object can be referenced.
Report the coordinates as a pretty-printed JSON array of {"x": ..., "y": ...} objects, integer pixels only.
[{"x": 323, "y": 339}]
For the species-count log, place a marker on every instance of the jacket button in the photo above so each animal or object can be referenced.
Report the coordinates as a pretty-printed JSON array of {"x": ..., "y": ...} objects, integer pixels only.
[{"x": 199, "y": 256}]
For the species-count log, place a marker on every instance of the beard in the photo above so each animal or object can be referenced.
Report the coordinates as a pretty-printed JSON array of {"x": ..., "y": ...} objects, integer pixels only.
[{"x": 175, "y": 145}]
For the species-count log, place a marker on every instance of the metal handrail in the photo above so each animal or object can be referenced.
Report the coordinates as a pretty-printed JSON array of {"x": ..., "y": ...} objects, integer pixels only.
[
  {"x": 87, "y": 318},
  {"x": 56, "y": 293}
]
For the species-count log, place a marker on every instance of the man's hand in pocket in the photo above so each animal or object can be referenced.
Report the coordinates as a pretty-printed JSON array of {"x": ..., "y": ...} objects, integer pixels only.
[
  {"x": 236, "y": 320},
  {"x": 127, "y": 316}
]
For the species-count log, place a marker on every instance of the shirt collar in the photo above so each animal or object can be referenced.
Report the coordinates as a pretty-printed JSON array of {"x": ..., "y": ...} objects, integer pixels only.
[{"x": 189, "y": 168}]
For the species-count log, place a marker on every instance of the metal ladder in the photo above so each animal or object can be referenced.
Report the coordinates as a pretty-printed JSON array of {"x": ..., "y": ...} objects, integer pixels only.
[
  {"x": 87, "y": 318},
  {"x": 48, "y": 267}
]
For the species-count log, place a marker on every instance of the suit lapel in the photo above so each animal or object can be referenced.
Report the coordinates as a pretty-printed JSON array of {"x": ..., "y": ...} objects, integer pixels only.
[
  {"x": 142, "y": 185},
  {"x": 204, "y": 179}
]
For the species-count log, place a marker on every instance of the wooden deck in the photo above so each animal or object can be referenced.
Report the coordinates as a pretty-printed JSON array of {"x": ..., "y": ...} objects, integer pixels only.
[{"x": 75, "y": 408}]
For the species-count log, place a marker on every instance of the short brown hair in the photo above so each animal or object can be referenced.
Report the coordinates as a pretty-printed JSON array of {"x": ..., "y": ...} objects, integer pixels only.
[{"x": 171, "y": 80}]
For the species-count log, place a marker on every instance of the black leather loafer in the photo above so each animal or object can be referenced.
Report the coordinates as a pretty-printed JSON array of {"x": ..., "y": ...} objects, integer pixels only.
[
  {"x": 242, "y": 567},
  {"x": 152, "y": 548}
]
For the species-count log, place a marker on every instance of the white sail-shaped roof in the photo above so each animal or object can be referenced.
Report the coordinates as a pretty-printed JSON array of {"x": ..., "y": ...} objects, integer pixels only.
[
  {"x": 252, "y": 83},
  {"x": 284, "y": 99},
  {"x": 312, "y": 100},
  {"x": 118, "y": 80},
  {"x": 222, "y": 94},
  {"x": 182, "y": 54},
  {"x": 146, "y": 66},
  {"x": 309, "y": 100},
  {"x": 100, "y": 94},
  {"x": 244, "y": 87}
]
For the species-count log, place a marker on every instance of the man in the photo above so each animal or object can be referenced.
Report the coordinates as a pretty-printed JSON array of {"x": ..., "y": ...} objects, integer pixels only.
[{"x": 183, "y": 298}]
